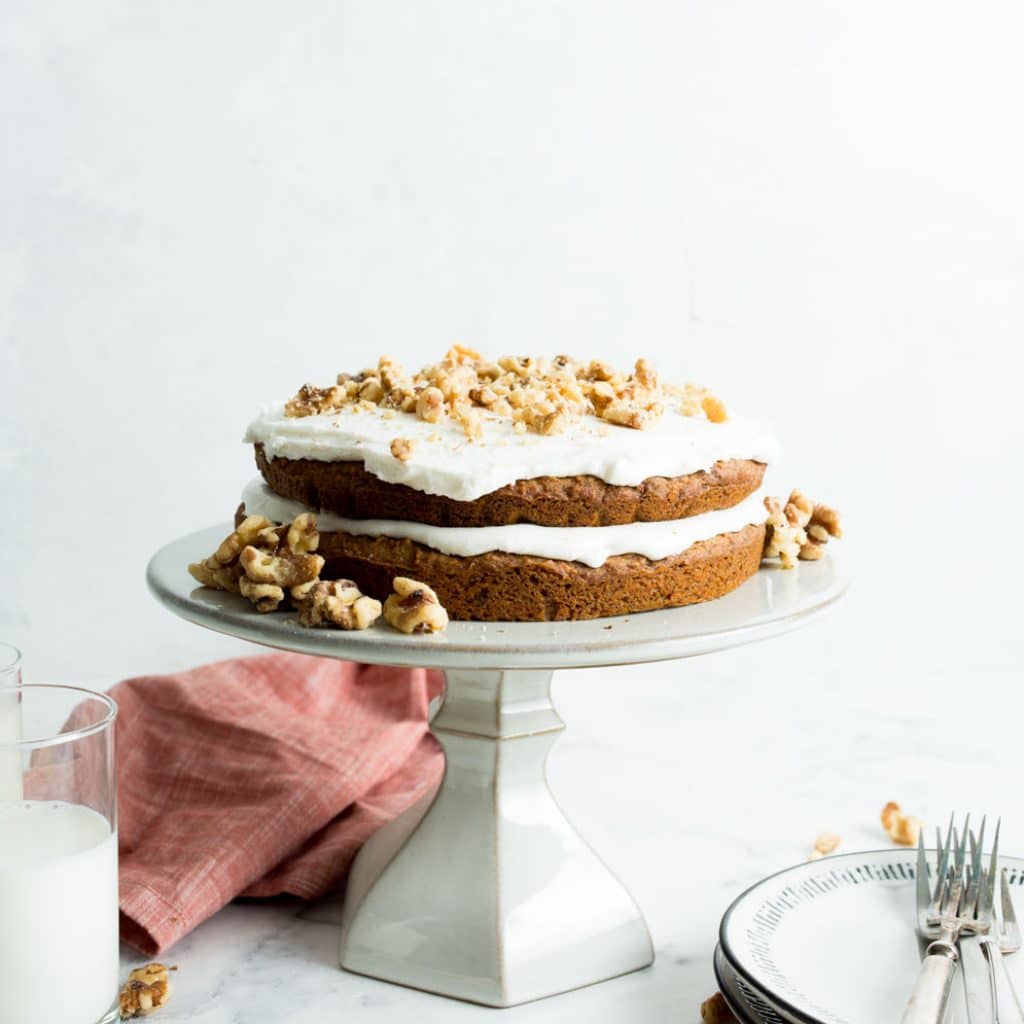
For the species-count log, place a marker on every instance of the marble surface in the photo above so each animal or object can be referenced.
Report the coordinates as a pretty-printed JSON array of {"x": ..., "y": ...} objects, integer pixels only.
[{"x": 712, "y": 773}]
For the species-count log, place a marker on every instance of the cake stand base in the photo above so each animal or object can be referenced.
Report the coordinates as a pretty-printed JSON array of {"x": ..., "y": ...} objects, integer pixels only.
[{"x": 485, "y": 891}]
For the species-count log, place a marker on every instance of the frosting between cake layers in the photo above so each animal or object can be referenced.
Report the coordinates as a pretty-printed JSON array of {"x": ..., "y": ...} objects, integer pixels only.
[
  {"x": 591, "y": 545},
  {"x": 445, "y": 462}
]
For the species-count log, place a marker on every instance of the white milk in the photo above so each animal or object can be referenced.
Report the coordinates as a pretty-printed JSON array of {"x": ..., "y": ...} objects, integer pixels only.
[{"x": 58, "y": 914}]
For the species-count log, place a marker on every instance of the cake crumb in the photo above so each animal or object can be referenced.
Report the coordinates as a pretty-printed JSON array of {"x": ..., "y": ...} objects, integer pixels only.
[{"x": 826, "y": 843}]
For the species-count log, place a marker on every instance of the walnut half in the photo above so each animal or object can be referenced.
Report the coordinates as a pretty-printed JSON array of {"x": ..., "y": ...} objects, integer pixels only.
[
  {"x": 334, "y": 603},
  {"x": 146, "y": 990},
  {"x": 798, "y": 529},
  {"x": 414, "y": 608}
]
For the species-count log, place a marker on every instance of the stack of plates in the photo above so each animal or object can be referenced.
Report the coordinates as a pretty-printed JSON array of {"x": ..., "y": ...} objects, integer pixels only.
[{"x": 832, "y": 942}]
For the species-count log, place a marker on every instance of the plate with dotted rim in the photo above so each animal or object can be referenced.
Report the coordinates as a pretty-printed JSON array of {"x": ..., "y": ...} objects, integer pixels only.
[
  {"x": 832, "y": 941},
  {"x": 748, "y": 1006}
]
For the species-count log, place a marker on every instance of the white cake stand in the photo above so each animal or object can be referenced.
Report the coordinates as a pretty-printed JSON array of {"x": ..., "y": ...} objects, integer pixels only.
[{"x": 484, "y": 891}]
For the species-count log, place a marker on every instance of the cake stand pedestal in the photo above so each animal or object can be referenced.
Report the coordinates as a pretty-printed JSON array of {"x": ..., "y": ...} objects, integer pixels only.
[{"x": 484, "y": 891}]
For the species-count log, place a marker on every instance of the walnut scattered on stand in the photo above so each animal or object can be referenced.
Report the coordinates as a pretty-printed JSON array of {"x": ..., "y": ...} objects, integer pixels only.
[
  {"x": 414, "y": 608},
  {"x": 336, "y": 603},
  {"x": 798, "y": 529},
  {"x": 270, "y": 565}
]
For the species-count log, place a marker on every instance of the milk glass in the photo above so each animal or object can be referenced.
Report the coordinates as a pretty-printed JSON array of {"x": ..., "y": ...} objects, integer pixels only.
[
  {"x": 58, "y": 856},
  {"x": 10, "y": 723}
]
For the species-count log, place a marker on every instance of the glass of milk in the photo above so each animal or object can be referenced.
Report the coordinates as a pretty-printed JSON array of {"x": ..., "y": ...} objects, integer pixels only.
[
  {"x": 10, "y": 723},
  {"x": 58, "y": 856}
]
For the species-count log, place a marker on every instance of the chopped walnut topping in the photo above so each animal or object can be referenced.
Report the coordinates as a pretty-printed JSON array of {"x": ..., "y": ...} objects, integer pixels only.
[
  {"x": 401, "y": 448},
  {"x": 798, "y": 529},
  {"x": 544, "y": 395},
  {"x": 825, "y": 844},
  {"x": 715, "y": 1010},
  {"x": 430, "y": 404},
  {"x": 414, "y": 608},
  {"x": 334, "y": 603},
  {"x": 146, "y": 990},
  {"x": 903, "y": 829}
]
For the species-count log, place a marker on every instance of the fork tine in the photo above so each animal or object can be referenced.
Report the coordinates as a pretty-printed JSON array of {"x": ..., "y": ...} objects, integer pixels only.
[
  {"x": 1009, "y": 915},
  {"x": 924, "y": 893},
  {"x": 987, "y": 899},
  {"x": 941, "y": 872},
  {"x": 961, "y": 847},
  {"x": 970, "y": 903}
]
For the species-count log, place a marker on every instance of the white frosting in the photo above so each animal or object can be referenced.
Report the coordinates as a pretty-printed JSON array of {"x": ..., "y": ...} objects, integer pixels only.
[
  {"x": 445, "y": 462},
  {"x": 591, "y": 545}
]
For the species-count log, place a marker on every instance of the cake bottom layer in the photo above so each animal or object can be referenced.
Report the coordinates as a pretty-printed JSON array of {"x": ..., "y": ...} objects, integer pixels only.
[{"x": 500, "y": 587}]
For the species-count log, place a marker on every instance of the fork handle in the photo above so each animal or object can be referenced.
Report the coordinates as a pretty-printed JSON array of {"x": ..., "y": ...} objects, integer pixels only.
[
  {"x": 1008, "y": 1009},
  {"x": 931, "y": 993}
]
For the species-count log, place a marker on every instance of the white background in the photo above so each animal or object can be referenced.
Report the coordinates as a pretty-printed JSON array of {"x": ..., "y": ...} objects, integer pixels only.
[{"x": 815, "y": 208}]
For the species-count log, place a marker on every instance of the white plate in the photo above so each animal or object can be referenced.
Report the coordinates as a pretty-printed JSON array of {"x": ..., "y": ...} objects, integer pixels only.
[
  {"x": 747, "y": 1005},
  {"x": 832, "y": 941}
]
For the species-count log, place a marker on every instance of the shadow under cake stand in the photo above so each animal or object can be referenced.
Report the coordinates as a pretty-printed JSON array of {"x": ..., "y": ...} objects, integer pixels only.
[{"x": 484, "y": 891}]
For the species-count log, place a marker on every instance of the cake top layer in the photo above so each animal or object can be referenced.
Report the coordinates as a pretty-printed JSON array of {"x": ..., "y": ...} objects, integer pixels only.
[{"x": 491, "y": 424}]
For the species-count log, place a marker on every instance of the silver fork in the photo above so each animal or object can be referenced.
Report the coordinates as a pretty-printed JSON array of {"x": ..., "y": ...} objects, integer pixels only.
[
  {"x": 984, "y": 938},
  {"x": 1003, "y": 938},
  {"x": 979, "y": 975},
  {"x": 939, "y": 924}
]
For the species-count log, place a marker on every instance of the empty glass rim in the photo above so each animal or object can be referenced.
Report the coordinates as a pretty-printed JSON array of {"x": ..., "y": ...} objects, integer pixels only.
[
  {"x": 71, "y": 735},
  {"x": 10, "y": 657}
]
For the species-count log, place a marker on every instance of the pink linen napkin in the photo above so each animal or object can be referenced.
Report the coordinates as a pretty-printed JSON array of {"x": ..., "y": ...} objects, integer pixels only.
[{"x": 259, "y": 776}]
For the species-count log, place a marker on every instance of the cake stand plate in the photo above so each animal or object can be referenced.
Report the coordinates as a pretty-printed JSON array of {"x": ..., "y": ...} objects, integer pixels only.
[{"x": 484, "y": 891}]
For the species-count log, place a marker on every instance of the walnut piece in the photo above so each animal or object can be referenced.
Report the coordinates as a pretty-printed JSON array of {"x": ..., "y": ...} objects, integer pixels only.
[
  {"x": 414, "y": 608},
  {"x": 270, "y": 565},
  {"x": 401, "y": 448},
  {"x": 783, "y": 539},
  {"x": 146, "y": 990},
  {"x": 265, "y": 596},
  {"x": 334, "y": 603},
  {"x": 302, "y": 537},
  {"x": 903, "y": 829},
  {"x": 543, "y": 395},
  {"x": 799, "y": 529},
  {"x": 221, "y": 570},
  {"x": 715, "y": 1010},
  {"x": 825, "y": 844},
  {"x": 285, "y": 569}
]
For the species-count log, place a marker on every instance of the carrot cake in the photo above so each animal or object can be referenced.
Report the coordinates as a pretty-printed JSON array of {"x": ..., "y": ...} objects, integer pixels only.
[{"x": 519, "y": 489}]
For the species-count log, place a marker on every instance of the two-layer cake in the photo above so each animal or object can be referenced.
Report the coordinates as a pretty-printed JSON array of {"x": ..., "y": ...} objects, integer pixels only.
[{"x": 522, "y": 489}]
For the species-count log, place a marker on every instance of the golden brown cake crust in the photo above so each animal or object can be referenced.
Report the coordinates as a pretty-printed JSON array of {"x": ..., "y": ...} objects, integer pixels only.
[
  {"x": 499, "y": 587},
  {"x": 347, "y": 489}
]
